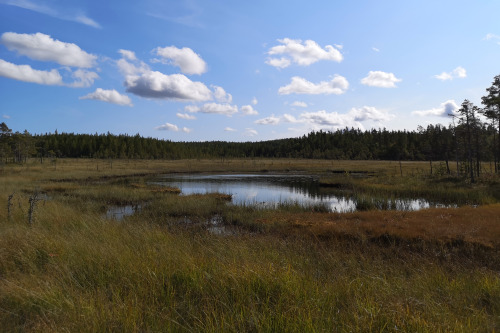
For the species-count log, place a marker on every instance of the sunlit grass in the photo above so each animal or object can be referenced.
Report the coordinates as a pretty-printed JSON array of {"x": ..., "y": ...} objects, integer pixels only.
[{"x": 285, "y": 269}]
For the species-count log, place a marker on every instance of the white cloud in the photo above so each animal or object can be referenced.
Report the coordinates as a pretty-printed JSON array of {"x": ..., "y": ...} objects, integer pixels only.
[
  {"x": 229, "y": 129},
  {"x": 86, "y": 20},
  {"x": 192, "y": 108},
  {"x": 250, "y": 132},
  {"x": 27, "y": 74},
  {"x": 127, "y": 68},
  {"x": 178, "y": 87},
  {"x": 375, "y": 49},
  {"x": 369, "y": 113},
  {"x": 255, "y": 101},
  {"x": 338, "y": 85},
  {"x": 323, "y": 119},
  {"x": 289, "y": 118},
  {"x": 248, "y": 110},
  {"x": 457, "y": 73},
  {"x": 167, "y": 127},
  {"x": 83, "y": 78},
  {"x": 380, "y": 79},
  {"x": 302, "y": 53},
  {"x": 127, "y": 54},
  {"x": 214, "y": 108},
  {"x": 77, "y": 16},
  {"x": 299, "y": 104},
  {"x": 272, "y": 120},
  {"x": 279, "y": 62},
  {"x": 42, "y": 47},
  {"x": 186, "y": 59},
  {"x": 446, "y": 108},
  {"x": 330, "y": 120},
  {"x": 221, "y": 95},
  {"x": 5, "y": 116},
  {"x": 494, "y": 37},
  {"x": 173, "y": 128},
  {"x": 109, "y": 96},
  {"x": 185, "y": 116}
]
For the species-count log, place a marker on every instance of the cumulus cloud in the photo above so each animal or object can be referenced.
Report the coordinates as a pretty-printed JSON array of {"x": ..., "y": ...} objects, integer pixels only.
[
  {"x": 214, "y": 108},
  {"x": 221, "y": 95},
  {"x": 76, "y": 16},
  {"x": 369, "y": 113},
  {"x": 172, "y": 127},
  {"x": 130, "y": 65},
  {"x": 127, "y": 54},
  {"x": 186, "y": 59},
  {"x": 83, "y": 78},
  {"x": 445, "y": 109},
  {"x": 338, "y": 85},
  {"x": 248, "y": 110},
  {"x": 229, "y": 129},
  {"x": 27, "y": 74},
  {"x": 185, "y": 116},
  {"x": 299, "y": 104},
  {"x": 457, "y": 73},
  {"x": 331, "y": 120},
  {"x": 323, "y": 119},
  {"x": 302, "y": 53},
  {"x": 128, "y": 68},
  {"x": 42, "y": 47},
  {"x": 272, "y": 120},
  {"x": 288, "y": 118},
  {"x": 109, "y": 96},
  {"x": 255, "y": 101},
  {"x": 167, "y": 127},
  {"x": 380, "y": 79},
  {"x": 178, "y": 87},
  {"x": 279, "y": 62},
  {"x": 250, "y": 132}
]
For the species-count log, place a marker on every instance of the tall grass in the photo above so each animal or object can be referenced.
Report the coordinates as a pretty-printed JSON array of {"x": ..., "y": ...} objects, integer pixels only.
[{"x": 288, "y": 269}]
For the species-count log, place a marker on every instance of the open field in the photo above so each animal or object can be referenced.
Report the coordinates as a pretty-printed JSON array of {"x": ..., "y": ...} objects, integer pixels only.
[{"x": 289, "y": 269}]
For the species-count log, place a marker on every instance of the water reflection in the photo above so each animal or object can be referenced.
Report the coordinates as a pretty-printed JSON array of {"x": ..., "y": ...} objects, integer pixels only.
[
  {"x": 270, "y": 190},
  {"x": 119, "y": 212}
]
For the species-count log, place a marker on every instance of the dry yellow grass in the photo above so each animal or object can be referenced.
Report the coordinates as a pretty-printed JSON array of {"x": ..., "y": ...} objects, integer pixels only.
[
  {"x": 478, "y": 225},
  {"x": 74, "y": 270}
]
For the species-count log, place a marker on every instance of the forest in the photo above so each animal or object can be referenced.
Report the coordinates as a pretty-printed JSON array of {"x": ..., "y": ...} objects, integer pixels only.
[{"x": 472, "y": 137}]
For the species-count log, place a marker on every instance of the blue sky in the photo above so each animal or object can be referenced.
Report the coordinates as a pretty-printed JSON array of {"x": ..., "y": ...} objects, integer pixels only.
[{"x": 192, "y": 70}]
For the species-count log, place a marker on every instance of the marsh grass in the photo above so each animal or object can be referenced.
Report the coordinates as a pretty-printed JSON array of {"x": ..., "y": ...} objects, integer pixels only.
[
  {"x": 381, "y": 191},
  {"x": 290, "y": 269}
]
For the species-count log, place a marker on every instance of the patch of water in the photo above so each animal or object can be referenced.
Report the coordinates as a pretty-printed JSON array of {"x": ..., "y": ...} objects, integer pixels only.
[
  {"x": 215, "y": 226},
  {"x": 271, "y": 190},
  {"x": 120, "y": 212}
]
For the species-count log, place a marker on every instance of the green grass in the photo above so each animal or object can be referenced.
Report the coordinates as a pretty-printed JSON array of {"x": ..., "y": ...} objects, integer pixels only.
[{"x": 74, "y": 270}]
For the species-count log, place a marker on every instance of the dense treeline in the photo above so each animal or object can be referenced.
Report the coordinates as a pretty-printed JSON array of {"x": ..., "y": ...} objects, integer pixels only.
[
  {"x": 467, "y": 141},
  {"x": 436, "y": 142}
]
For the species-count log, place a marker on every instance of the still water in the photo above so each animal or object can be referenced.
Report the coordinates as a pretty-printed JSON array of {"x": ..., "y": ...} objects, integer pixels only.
[{"x": 270, "y": 190}]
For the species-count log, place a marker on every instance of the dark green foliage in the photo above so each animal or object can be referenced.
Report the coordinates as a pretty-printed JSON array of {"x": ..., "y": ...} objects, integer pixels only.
[{"x": 432, "y": 143}]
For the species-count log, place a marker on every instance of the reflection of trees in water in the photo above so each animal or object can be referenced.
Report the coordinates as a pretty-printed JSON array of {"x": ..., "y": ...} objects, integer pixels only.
[{"x": 302, "y": 189}]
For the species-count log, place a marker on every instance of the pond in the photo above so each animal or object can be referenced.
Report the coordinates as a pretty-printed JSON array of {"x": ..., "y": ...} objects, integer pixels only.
[{"x": 270, "y": 190}]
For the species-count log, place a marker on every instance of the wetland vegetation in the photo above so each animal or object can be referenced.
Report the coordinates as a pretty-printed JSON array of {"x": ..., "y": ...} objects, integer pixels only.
[{"x": 197, "y": 262}]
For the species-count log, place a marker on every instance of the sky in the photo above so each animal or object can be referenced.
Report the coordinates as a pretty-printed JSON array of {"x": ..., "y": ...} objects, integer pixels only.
[{"x": 193, "y": 70}]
